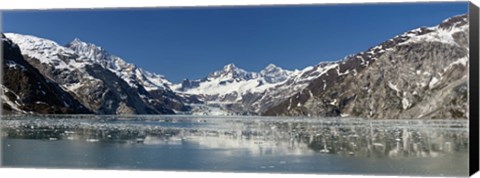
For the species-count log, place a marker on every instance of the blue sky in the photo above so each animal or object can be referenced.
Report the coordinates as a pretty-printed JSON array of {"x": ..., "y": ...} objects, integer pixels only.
[{"x": 192, "y": 42}]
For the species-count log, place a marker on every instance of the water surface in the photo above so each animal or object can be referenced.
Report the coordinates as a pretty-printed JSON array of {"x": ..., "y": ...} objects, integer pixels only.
[{"x": 238, "y": 144}]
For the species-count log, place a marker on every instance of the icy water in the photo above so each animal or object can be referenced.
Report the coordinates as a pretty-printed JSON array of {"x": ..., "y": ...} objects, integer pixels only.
[{"x": 237, "y": 144}]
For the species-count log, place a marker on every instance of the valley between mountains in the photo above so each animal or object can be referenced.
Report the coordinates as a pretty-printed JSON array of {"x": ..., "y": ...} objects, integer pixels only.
[{"x": 422, "y": 73}]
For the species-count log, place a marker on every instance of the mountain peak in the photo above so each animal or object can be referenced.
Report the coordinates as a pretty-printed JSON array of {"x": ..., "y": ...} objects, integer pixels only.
[
  {"x": 274, "y": 74},
  {"x": 77, "y": 40},
  {"x": 90, "y": 50},
  {"x": 271, "y": 66},
  {"x": 232, "y": 72},
  {"x": 77, "y": 43},
  {"x": 230, "y": 67}
]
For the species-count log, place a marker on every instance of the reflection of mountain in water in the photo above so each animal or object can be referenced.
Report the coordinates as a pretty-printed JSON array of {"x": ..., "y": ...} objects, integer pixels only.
[{"x": 260, "y": 136}]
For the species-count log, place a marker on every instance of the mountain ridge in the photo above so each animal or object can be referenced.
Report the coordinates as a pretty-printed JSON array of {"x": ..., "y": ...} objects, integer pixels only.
[
  {"x": 333, "y": 89},
  {"x": 93, "y": 80},
  {"x": 323, "y": 98},
  {"x": 25, "y": 90}
]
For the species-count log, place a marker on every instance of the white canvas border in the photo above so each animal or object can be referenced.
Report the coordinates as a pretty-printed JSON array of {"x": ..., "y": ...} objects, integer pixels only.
[{"x": 89, "y": 4}]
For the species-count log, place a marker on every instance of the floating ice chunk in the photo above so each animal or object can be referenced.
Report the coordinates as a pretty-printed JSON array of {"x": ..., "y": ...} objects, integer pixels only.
[
  {"x": 92, "y": 140},
  {"x": 324, "y": 150}
]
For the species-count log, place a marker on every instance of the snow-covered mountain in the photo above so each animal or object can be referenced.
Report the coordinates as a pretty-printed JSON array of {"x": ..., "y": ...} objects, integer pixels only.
[
  {"x": 333, "y": 88},
  {"x": 422, "y": 73},
  {"x": 25, "y": 90},
  {"x": 233, "y": 80},
  {"x": 133, "y": 75},
  {"x": 243, "y": 92},
  {"x": 104, "y": 83}
]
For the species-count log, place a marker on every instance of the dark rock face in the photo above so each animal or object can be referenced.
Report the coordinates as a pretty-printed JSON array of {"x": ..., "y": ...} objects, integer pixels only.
[
  {"x": 114, "y": 95},
  {"x": 25, "y": 89},
  {"x": 420, "y": 74}
]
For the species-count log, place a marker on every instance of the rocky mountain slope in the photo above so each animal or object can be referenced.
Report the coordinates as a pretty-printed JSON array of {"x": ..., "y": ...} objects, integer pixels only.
[
  {"x": 104, "y": 83},
  {"x": 25, "y": 90},
  {"x": 422, "y": 73}
]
